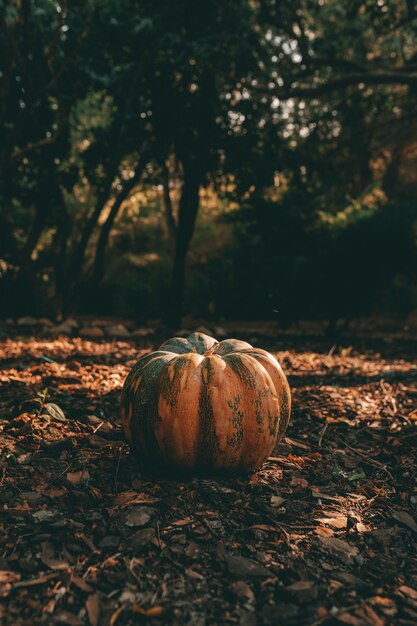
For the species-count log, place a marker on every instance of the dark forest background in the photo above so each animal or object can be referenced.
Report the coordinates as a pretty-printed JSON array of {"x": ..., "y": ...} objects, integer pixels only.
[{"x": 220, "y": 158}]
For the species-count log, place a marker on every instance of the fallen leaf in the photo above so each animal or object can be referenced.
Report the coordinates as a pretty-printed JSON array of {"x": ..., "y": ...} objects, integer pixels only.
[
  {"x": 193, "y": 574},
  {"x": 54, "y": 411},
  {"x": 81, "y": 583},
  {"x": 350, "y": 619},
  {"x": 44, "y": 515},
  {"x": 7, "y": 576},
  {"x": 323, "y": 530},
  {"x": 242, "y": 590},
  {"x": 303, "y": 591},
  {"x": 154, "y": 611},
  {"x": 55, "y": 492},
  {"x": 408, "y": 591},
  {"x": 298, "y": 482},
  {"x": 183, "y": 522},
  {"x": 339, "y": 548},
  {"x": 356, "y": 476},
  {"x": 75, "y": 478},
  {"x": 130, "y": 497},
  {"x": 361, "y": 528},
  {"x": 92, "y": 605},
  {"x": 334, "y": 522},
  {"x": 242, "y": 566},
  {"x": 406, "y": 519},
  {"x": 139, "y": 516},
  {"x": 55, "y": 565}
]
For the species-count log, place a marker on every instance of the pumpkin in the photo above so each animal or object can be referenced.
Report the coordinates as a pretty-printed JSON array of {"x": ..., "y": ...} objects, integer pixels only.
[{"x": 197, "y": 404}]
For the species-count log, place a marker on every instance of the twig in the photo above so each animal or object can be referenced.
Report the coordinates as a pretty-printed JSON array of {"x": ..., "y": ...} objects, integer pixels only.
[
  {"x": 117, "y": 470},
  {"x": 65, "y": 470},
  {"x": 284, "y": 461},
  {"x": 365, "y": 458},
  {"x": 208, "y": 525},
  {"x": 322, "y": 433},
  {"x": 297, "y": 443},
  {"x": 155, "y": 595},
  {"x": 3, "y": 476},
  {"x": 158, "y": 534}
]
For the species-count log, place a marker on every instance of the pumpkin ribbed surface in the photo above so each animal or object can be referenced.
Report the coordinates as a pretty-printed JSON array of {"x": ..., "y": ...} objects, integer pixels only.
[{"x": 199, "y": 404}]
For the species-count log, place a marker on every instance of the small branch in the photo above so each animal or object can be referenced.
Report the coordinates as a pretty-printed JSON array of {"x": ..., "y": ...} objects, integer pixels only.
[
  {"x": 365, "y": 458},
  {"x": 368, "y": 78},
  {"x": 341, "y": 63},
  {"x": 19, "y": 152},
  {"x": 322, "y": 433}
]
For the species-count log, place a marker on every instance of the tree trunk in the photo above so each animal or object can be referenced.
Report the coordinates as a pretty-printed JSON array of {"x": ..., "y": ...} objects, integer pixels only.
[
  {"x": 169, "y": 212},
  {"x": 98, "y": 270},
  {"x": 187, "y": 215},
  {"x": 26, "y": 293},
  {"x": 72, "y": 294},
  {"x": 61, "y": 276},
  {"x": 103, "y": 196},
  {"x": 102, "y": 199},
  {"x": 390, "y": 181},
  {"x": 35, "y": 232}
]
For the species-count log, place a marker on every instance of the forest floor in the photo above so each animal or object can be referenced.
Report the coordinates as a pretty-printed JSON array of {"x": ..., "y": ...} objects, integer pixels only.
[{"x": 324, "y": 533}]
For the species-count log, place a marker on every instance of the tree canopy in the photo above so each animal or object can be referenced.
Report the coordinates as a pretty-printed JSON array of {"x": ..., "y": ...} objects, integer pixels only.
[{"x": 286, "y": 127}]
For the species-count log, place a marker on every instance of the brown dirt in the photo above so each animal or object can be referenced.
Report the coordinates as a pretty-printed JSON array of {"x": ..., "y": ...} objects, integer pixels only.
[{"x": 324, "y": 533}]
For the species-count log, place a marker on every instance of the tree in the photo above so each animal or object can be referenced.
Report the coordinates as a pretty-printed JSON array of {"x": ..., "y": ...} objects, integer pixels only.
[
  {"x": 41, "y": 47},
  {"x": 96, "y": 94},
  {"x": 70, "y": 123},
  {"x": 197, "y": 53}
]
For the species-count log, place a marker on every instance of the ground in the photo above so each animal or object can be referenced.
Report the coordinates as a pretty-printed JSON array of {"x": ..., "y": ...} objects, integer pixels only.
[{"x": 323, "y": 533}]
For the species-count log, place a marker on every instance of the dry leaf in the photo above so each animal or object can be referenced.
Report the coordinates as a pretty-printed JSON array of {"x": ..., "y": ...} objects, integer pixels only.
[
  {"x": 55, "y": 565},
  {"x": 75, "y": 478},
  {"x": 335, "y": 522},
  {"x": 183, "y": 522},
  {"x": 339, "y": 548},
  {"x": 298, "y": 482},
  {"x": 323, "y": 530},
  {"x": 7, "y": 576},
  {"x": 193, "y": 574},
  {"x": 81, "y": 583},
  {"x": 55, "y": 411},
  {"x": 405, "y": 518},
  {"x": 130, "y": 497},
  {"x": 408, "y": 591},
  {"x": 154, "y": 611},
  {"x": 92, "y": 605}
]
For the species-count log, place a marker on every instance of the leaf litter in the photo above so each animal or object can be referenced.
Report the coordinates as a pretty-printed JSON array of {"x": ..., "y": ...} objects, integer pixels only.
[{"x": 323, "y": 533}]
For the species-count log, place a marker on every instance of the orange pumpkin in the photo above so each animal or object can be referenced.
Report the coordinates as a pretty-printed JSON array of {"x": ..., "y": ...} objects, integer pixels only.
[{"x": 197, "y": 404}]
